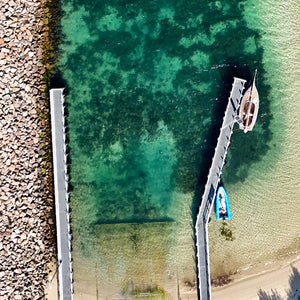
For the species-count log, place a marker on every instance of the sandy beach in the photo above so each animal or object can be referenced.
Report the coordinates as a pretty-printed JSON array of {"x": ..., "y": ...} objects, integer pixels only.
[{"x": 280, "y": 283}]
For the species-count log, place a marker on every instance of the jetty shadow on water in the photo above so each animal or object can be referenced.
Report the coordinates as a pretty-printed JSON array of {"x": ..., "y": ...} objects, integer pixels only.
[
  {"x": 197, "y": 92},
  {"x": 52, "y": 21},
  {"x": 231, "y": 58},
  {"x": 148, "y": 86},
  {"x": 57, "y": 81},
  {"x": 135, "y": 221},
  {"x": 244, "y": 145}
]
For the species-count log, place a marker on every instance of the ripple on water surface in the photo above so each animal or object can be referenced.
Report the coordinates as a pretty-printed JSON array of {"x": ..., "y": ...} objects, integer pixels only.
[
  {"x": 265, "y": 222},
  {"x": 148, "y": 83}
]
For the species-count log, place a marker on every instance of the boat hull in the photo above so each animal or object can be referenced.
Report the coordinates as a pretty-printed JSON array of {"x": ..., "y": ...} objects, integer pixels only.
[
  {"x": 222, "y": 205},
  {"x": 249, "y": 108}
]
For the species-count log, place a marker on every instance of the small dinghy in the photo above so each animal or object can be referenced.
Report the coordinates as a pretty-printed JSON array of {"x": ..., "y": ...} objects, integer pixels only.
[{"x": 222, "y": 205}]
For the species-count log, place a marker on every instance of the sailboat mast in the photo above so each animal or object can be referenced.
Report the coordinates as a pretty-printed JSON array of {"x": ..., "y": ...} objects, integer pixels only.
[{"x": 253, "y": 84}]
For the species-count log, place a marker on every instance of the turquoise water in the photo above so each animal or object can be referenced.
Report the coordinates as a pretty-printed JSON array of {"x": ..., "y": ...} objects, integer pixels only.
[{"x": 147, "y": 83}]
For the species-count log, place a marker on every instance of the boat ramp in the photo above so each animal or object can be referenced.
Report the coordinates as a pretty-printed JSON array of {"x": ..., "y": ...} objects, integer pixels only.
[
  {"x": 64, "y": 260},
  {"x": 230, "y": 117}
]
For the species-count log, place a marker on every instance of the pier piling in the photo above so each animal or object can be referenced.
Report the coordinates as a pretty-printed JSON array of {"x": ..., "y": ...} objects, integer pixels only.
[{"x": 65, "y": 276}]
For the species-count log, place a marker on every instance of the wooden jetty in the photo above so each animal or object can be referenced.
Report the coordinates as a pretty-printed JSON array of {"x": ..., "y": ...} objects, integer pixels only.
[
  {"x": 65, "y": 276},
  {"x": 230, "y": 117}
]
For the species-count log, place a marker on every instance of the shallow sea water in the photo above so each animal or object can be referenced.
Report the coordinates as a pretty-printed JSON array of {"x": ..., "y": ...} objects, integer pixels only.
[
  {"x": 266, "y": 219},
  {"x": 147, "y": 85}
]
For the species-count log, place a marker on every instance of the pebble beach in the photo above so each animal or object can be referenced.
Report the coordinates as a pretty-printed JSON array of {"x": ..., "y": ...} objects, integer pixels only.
[
  {"x": 27, "y": 235},
  {"x": 26, "y": 200}
]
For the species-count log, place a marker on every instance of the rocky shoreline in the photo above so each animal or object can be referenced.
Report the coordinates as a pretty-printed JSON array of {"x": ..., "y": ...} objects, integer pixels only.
[{"x": 26, "y": 199}]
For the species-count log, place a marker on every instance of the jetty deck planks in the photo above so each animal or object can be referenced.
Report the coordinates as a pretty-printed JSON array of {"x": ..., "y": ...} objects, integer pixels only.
[
  {"x": 65, "y": 276},
  {"x": 204, "y": 281}
]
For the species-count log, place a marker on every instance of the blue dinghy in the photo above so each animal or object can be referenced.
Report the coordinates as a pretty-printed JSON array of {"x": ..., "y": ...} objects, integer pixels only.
[{"x": 222, "y": 205}]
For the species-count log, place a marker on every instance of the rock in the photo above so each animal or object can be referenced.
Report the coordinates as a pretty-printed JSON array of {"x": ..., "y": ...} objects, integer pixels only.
[
  {"x": 18, "y": 271},
  {"x": 24, "y": 233},
  {"x": 3, "y": 198},
  {"x": 12, "y": 70},
  {"x": 23, "y": 236}
]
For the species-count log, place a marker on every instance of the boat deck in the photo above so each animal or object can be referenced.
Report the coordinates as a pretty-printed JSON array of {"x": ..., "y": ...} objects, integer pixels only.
[
  {"x": 204, "y": 281},
  {"x": 249, "y": 108},
  {"x": 65, "y": 277}
]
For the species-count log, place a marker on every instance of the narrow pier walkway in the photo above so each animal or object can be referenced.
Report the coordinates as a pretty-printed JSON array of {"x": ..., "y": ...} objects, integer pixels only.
[
  {"x": 204, "y": 288},
  {"x": 65, "y": 277}
]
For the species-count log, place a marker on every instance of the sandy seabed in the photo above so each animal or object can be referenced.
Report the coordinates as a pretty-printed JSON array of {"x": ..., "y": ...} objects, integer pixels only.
[
  {"x": 279, "y": 279},
  {"x": 280, "y": 282}
]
